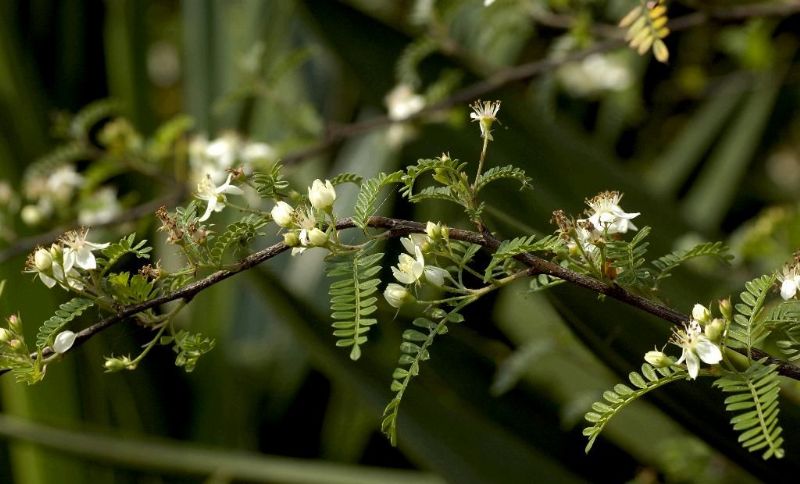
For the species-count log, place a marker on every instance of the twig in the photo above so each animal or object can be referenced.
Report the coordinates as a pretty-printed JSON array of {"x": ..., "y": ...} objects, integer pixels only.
[
  {"x": 27, "y": 244},
  {"x": 527, "y": 71},
  {"x": 398, "y": 228}
]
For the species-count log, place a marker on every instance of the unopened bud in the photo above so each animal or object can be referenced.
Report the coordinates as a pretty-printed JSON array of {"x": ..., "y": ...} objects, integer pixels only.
[
  {"x": 42, "y": 260},
  {"x": 317, "y": 237},
  {"x": 714, "y": 330},
  {"x": 5, "y": 335},
  {"x": 397, "y": 295},
  {"x": 726, "y": 309},
  {"x": 14, "y": 323},
  {"x": 291, "y": 239},
  {"x": 701, "y": 314},
  {"x": 63, "y": 342},
  {"x": 658, "y": 359}
]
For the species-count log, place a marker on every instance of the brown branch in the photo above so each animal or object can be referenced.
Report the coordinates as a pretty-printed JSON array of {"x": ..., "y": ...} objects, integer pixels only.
[
  {"x": 27, "y": 244},
  {"x": 399, "y": 228},
  {"x": 530, "y": 70}
]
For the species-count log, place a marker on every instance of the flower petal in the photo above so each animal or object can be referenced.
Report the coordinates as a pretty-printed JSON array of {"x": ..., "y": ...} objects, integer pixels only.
[
  {"x": 692, "y": 364},
  {"x": 85, "y": 259},
  {"x": 403, "y": 277},
  {"x": 788, "y": 289},
  {"x": 708, "y": 351}
]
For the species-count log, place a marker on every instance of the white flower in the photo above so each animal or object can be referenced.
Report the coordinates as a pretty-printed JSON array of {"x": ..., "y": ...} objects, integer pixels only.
[
  {"x": 307, "y": 223},
  {"x": 258, "y": 152},
  {"x": 396, "y": 295},
  {"x": 63, "y": 341},
  {"x": 215, "y": 196},
  {"x": 608, "y": 216},
  {"x": 224, "y": 150},
  {"x": 62, "y": 182},
  {"x": 486, "y": 3},
  {"x": 696, "y": 347},
  {"x": 791, "y": 281},
  {"x": 101, "y": 208},
  {"x": 419, "y": 242},
  {"x": 78, "y": 251},
  {"x": 283, "y": 214},
  {"x": 409, "y": 269},
  {"x": 485, "y": 113},
  {"x": 321, "y": 195},
  {"x": 403, "y": 103}
]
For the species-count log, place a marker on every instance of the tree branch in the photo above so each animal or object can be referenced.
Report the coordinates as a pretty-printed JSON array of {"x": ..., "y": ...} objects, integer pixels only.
[{"x": 399, "y": 228}]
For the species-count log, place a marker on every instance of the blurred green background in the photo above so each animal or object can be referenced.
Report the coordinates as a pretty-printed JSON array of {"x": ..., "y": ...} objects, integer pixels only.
[{"x": 705, "y": 147}]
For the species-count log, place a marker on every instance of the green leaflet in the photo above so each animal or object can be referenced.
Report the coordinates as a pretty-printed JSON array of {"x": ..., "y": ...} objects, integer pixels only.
[
  {"x": 347, "y": 178},
  {"x": 665, "y": 264},
  {"x": 270, "y": 185},
  {"x": 746, "y": 328},
  {"x": 414, "y": 349},
  {"x": 368, "y": 196},
  {"x": 520, "y": 245},
  {"x": 754, "y": 402},
  {"x": 114, "y": 252},
  {"x": 621, "y": 395},
  {"x": 190, "y": 347},
  {"x": 628, "y": 258},
  {"x": 353, "y": 298},
  {"x": 64, "y": 314},
  {"x": 503, "y": 172},
  {"x": 237, "y": 235}
]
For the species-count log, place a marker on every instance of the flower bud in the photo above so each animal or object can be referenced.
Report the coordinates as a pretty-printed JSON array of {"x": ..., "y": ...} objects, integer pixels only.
[
  {"x": 317, "y": 237},
  {"x": 63, "y": 341},
  {"x": 726, "y": 309},
  {"x": 432, "y": 230},
  {"x": 113, "y": 364},
  {"x": 117, "y": 364},
  {"x": 14, "y": 323},
  {"x": 435, "y": 275},
  {"x": 42, "y": 260},
  {"x": 714, "y": 330},
  {"x": 321, "y": 195},
  {"x": 291, "y": 239},
  {"x": 5, "y": 335},
  {"x": 701, "y": 314},
  {"x": 658, "y": 359},
  {"x": 31, "y": 215},
  {"x": 283, "y": 214},
  {"x": 397, "y": 295}
]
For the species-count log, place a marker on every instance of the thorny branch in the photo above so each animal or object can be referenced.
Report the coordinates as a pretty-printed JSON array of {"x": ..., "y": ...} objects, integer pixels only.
[{"x": 399, "y": 228}]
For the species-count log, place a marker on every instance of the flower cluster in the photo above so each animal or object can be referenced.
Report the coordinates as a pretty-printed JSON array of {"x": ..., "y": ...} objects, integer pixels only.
[
  {"x": 301, "y": 223},
  {"x": 605, "y": 218},
  {"x": 216, "y": 157},
  {"x": 411, "y": 268},
  {"x": 49, "y": 191},
  {"x": 60, "y": 263},
  {"x": 699, "y": 340}
]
